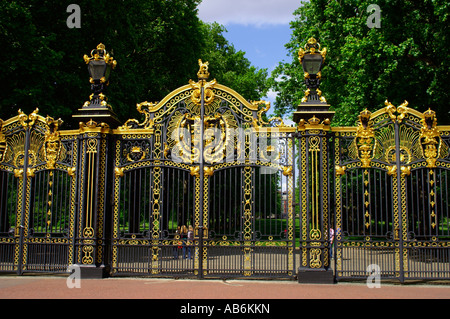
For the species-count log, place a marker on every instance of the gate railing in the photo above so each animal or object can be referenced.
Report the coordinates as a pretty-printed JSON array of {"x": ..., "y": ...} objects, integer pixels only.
[
  {"x": 262, "y": 201},
  {"x": 38, "y": 195},
  {"x": 202, "y": 158},
  {"x": 391, "y": 194}
]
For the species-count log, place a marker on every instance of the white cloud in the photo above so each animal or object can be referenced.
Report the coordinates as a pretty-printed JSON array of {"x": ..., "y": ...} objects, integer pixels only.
[
  {"x": 270, "y": 97},
  {"x": 248, "y": 12}
]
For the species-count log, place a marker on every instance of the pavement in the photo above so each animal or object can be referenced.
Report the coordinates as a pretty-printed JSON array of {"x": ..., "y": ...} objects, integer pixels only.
[
  {"x": 181, "y": 298},
  {"x": 58, "y": 287}
]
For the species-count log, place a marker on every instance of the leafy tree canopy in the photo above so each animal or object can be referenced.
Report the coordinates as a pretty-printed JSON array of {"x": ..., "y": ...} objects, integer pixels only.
[
  {"x": 405, "y": 59},
  {"x": 156, "y": 44},
  {"x": 231, "y": 67}
]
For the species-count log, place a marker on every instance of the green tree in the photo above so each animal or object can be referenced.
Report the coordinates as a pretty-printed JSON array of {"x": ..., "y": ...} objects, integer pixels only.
[
  {"x": 405, "y": 59},
  {"x": 231, "y": 67},
  {"x": 156, "y": 44}
]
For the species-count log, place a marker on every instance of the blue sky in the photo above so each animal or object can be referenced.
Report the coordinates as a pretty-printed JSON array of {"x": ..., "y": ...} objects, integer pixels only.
[{"x": 258, "y": 27}]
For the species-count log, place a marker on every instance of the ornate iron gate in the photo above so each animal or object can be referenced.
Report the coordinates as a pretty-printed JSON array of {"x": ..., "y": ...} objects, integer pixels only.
[
  {"x": 259, "y": 198},
  {"x": 38, "y": 190},
  {"x": 201, "y": 160},
  {"x": 391, "y": 193}
]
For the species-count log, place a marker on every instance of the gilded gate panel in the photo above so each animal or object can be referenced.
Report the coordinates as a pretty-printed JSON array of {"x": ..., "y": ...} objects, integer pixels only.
[
  {"x": 313, "y": 185},
  {"x": 254, "y": 192},
  {"x": 387, "y": 165},
  {"x": 171, "y": 141},
  {"x": 43, "y": 220}
]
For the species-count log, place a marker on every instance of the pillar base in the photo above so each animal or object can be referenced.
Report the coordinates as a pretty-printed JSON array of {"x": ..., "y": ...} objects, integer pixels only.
[
  {"x": 315, "y": 276},
  {"x": 93, "y": 272},
  {"x": 97, "y": 114}
]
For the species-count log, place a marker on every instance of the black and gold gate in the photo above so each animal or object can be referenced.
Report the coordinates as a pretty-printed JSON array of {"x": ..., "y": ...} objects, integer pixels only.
[
  {"x": 205, "y": 186},
  {"x": 392, "y": 196},
  {"x": 37, "y": 195},
  {"x": 201, "y": 162}
]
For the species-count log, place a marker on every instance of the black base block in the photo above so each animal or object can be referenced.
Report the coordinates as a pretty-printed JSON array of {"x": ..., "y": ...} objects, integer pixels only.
[
  {"x": 92, "y": 272},
  {"x": 315, "y": 276}
]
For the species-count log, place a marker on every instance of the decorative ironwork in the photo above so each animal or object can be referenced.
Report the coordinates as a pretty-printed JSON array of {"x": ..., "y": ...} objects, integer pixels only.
[
  {"x": 204, "y": 186},
  {"x": 430, "y": 138},
  {"x": 100, "y": 63},
  {"x": 312, "y": 78},
  {"x": 365, "y": 139},
  {"x": 398, "y": 193},
  {"x": 43, "y": 196},
  {"x": 52, "y": 142},
  {"x": 3, "y": 144}
]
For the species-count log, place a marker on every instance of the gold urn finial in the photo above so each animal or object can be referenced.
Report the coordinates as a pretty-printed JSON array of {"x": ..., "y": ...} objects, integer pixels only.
[
  {"x": 313, "y": 103},
  {"x": 100, "y": 65},
  {"x": 203, "y": 73},
  {"x": 100, "y": 53},
  {"x": 311, "y": 47}
]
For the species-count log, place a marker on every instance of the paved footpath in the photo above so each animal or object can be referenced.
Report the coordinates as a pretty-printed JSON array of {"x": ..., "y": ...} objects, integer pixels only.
[
  {"x": 55, "y": 287},
  {"x": 181, "y": 299}
]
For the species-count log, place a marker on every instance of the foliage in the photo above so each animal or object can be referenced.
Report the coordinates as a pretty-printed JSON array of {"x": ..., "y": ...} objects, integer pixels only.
[
  {"x": 230, "y": 67},
  {"x": 156, "y": 43},
  {"x": 405, "y": 59}
]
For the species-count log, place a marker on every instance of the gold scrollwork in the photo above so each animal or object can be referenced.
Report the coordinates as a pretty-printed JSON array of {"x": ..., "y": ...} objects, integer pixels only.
[
  {"x": 392, "y": 170},
  {"x": 203, "y": 75},
  {"x": 278, "y": 121},
  {"x": 144, "y": 108},
  {"x": 88, "y": 232},
  {"x": 52, "y": 142},
  {"x": 315, "y": 254},
  {"x": 390, "y": 110},
  {"x": 184, "y": 135},
  {"x": 405, "y": 170},
  {"x": 287, "y": 170},
  {"x": 71, "y": 171},
  {"x": 28, "y": 120},
  {"x": 31, "y": 172},
  {"x": 136, "y": 154},
  {"x": 365, "y": 139},
  {"x": 402, "y": 109},
  {"x": 3, "y": 144},
  {"x": 100, "y": 54},
  {"x": 315, "y": 234},
  {"x": 430, "y": 138},
  {"x": 209, "y": 171},
  {"x": 340, "y": 170},
  {"x": 87, "y": 258},
  {"x": 118, "y": 171},
  {"x": 195, "y": 171},
  {"x": 18, "y": 173}
]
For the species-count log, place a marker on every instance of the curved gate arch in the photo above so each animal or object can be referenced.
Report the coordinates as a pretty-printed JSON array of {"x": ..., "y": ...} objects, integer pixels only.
[{"x": 202, "y": 157}]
